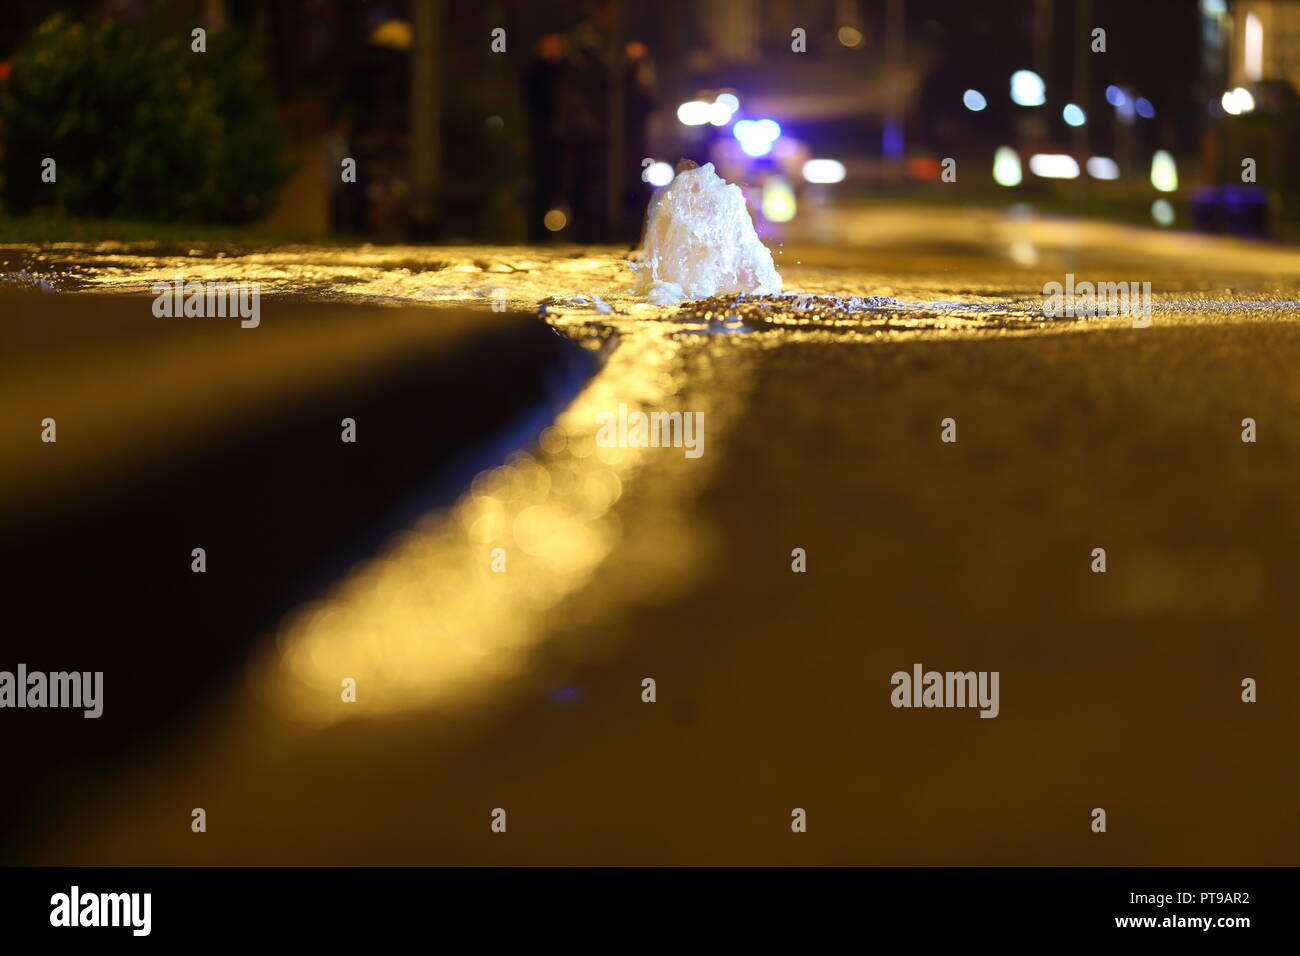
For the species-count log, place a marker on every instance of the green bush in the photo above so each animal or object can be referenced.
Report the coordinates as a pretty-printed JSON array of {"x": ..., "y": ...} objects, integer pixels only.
[{"x": 140, "y": 127}]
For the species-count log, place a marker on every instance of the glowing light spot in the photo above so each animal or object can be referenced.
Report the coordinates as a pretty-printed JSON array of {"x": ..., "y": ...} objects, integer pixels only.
[
  {"x": 694, "y": 113},
  {"x": 1102, "y": 167},
  {"x": 1162, "y": 211},
  {"x": 756, "y": 138},
  {"x": 1164, "y": 172},
  {"x": 1144, "y": 108},
  {"x": 1230, "y": 104},
  {"x": 1252, "y": 60},
  {"x": 1054, "y": 166},
  {"x": 1074, "y": 115},
  {"x": 730, "y": 100},
  {"x": 823, "y": 171},
  {"x": 1245, "y": 101},
  {"x": 1006, "y": 167},
  {"x": 1115, "y": 96},
  {"x": 850, "y": 36},
  {"x": 394, "y": 34},
  {"x": 555, "y": 220},
  {"x": 1027, "y": 88},
  {"x": 659, "y": 174},
  {"x": 778, "y": 200},
  {"x": 1023, "y": 253},
  {"x": 974, "y": 100}
]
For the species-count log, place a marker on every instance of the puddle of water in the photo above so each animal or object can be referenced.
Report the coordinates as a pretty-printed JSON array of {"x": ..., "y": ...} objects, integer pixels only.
[{"x": 855, "y": 313}]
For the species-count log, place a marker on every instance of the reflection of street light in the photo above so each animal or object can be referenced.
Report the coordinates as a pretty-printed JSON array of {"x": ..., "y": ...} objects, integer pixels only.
[{"x": 1027, "y": 88}]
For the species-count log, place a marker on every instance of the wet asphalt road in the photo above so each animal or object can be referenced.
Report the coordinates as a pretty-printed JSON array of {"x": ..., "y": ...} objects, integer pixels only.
[{"x": 522, "y": 690}]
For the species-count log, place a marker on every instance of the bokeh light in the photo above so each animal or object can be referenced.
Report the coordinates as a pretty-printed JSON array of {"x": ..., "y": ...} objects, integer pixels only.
[
  {"x": 1102, "y": 167},
  {"x": 1164, "y": 172},
  {"x": 1027, "y": 88},
  {"x": 756, "y": 137},
  {"x": 778, "y": 200},
  {"x": 823, "y": 171},
  {"x": 1006, "y": 167},
  {"x": 659, "y": 174},
  {"x": 1054, "y": 166},
  {"x": 850, "y": 36},
  {"x": 694, "y": 113}
]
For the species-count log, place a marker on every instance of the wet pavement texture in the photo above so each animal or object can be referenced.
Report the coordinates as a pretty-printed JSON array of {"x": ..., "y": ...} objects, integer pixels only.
[{"x": 522, "y": 690}]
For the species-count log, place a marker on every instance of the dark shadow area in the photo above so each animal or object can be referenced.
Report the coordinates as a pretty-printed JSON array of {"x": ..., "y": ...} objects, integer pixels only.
[{"x": 101, "y": 579}]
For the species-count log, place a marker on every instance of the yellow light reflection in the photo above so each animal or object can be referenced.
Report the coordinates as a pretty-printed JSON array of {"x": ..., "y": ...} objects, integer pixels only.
[{"x": 429, "y": 621}]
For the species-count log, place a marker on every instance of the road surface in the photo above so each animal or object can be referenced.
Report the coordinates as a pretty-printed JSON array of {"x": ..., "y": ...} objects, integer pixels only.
[{"x": 522, "y": 690}]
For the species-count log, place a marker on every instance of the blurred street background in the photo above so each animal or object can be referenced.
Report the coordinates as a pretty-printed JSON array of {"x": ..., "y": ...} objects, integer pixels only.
[
  {"x": 467, "y": 300},
  {"x": 510, "y": 121}
]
